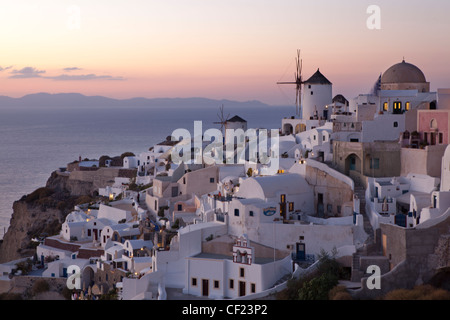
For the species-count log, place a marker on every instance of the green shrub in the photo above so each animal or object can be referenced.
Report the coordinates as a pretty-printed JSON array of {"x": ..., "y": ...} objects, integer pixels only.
[
  {"x": 318, "y": 288},
  {"x": 317, "y": 285},
  {"x": 423, "y": 292},
  {"x": 127, "y": 154},
  {"x": 24, "y": 266},
  {"x": 111, "y": 295},
  {"x": 339, "y": 293}
]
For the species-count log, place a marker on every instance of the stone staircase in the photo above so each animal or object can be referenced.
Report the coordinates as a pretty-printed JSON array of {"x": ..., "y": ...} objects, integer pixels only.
[
  {"x": 369, "y": 244},
  {"x": 361, "y": 193}
]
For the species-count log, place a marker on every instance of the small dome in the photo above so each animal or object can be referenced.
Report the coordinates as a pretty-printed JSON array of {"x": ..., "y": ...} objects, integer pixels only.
[{"x": 403, "y": 73}]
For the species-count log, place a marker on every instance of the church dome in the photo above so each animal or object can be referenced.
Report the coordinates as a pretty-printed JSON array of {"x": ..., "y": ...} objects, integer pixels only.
[{"x": 403, "y": 72}]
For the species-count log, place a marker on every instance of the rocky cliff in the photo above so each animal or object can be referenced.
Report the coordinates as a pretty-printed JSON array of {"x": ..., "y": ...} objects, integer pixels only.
[{"x": 41, "y": 213}]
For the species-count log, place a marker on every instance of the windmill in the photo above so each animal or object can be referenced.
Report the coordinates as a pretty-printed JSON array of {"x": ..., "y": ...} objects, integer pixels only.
[
  {"x": 298, "y": 82},
  {"x": 222, "y": 120}
]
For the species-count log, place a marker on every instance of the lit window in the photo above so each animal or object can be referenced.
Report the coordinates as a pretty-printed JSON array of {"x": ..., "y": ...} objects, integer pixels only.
[
  {"x": 407, "y": 106},
  {"x": 397, "y": 106},
  {"x": 291, "y": 206},
  {"x": 385, "y": 106}
]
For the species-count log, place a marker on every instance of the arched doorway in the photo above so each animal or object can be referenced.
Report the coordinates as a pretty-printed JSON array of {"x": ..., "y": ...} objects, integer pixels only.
[
  {"x": 352, "y": 163},
  {"x": 288, "y": 129},
  {"x": 87, "y": 277}
]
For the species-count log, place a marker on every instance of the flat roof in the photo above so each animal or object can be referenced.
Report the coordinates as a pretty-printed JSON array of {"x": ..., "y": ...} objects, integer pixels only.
[{"x": 215, "y": 256}]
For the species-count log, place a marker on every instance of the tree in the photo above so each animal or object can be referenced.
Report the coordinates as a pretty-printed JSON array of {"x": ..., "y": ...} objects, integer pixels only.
[
  {"x": 318, "y": 284},
  {"x": 102, "y": 161},
  {"x": 127, "y": 154},
  {"x": 318, "y": 288}
]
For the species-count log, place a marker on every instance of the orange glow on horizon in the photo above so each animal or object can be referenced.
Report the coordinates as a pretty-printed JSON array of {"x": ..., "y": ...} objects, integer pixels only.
[{"x": 183, "y": 49}]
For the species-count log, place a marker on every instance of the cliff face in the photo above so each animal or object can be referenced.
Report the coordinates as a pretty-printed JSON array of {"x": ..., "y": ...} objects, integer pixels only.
[
  {"x": 27, "y": 221},
  {"x": 41, "y": 213}
]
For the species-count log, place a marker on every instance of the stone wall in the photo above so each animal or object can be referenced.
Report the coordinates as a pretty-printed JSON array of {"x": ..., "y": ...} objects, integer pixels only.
[
  {"x": 23, "y": 285},
  {"x": 87, "y": 182},
  {"x": 415, "y": 255},
  {"x": 335, "y": 192},
  {"x": 108, "y": 277},
  {"x": 422, "y": 161},
  {"x": 387, "y": 152}
]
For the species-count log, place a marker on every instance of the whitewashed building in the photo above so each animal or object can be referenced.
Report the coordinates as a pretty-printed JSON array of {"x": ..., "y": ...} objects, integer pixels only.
[{"x": 243, "y": 270}]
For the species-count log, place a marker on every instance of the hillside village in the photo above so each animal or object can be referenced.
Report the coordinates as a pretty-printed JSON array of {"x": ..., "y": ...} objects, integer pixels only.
[{"x": 367, "y": 179}]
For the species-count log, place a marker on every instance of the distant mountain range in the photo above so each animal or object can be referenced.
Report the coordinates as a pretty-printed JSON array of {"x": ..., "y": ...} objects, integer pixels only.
[{"x": 80, "y": 100}]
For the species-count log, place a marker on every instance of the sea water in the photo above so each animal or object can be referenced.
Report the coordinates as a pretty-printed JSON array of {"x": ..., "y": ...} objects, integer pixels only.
[{"x": 34, "y": 142}]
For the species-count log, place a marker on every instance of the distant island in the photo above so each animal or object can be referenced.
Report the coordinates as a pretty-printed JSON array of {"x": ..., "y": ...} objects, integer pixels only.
[{"x": 79, "y": 100}]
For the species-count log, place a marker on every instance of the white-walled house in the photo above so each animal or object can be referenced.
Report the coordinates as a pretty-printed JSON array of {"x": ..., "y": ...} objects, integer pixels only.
[
  {"x": 147, "y": 160},
  {"x": 439, "y": 199},
  {"x": 291, "y": 190},
  {"x": 74, "y": 225},
  {"x": 180, "y": 187},
  {"x": 119, "y": 186},
  {"x": 59, "y": 268},
  {"x": 445, "y": 171},
  {"x": 122, "y": 210},
  {"x": 262, "y": 204},
  {"x": 218, "y": 272},
  {"x": 399, "y": 200},
  {"x": 118, "y": 231},
  {"x": 130, "y": 256}
]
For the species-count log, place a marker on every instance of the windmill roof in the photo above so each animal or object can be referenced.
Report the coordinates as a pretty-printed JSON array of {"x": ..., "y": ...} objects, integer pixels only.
[
  {"x": 236, "y": 119},
  {"x": 318, "y": 78}
]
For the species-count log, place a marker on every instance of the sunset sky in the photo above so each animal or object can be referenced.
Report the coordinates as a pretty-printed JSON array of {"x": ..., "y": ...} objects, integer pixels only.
[{"x": 234, "y": 49}]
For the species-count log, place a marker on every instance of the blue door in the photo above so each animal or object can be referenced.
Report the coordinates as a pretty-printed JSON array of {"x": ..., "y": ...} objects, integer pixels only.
[
  {"x": 352, "y": 163},
  {"x": 301, "y": 253},
  {"x": 400, "y": 220},
  {"x": 65, "y": 272}
]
